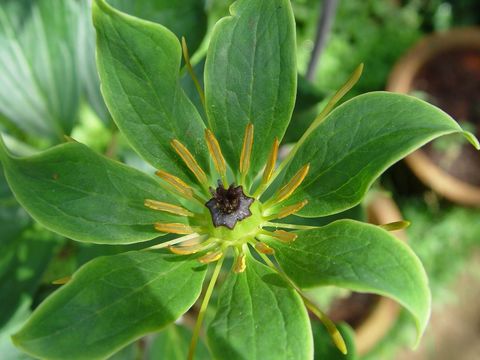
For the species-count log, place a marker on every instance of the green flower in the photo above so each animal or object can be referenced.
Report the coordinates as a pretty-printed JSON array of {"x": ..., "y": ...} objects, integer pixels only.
[{"x": 219, "y": 191}]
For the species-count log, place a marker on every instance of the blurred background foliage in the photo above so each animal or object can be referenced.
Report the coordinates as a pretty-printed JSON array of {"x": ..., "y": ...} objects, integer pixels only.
[{"x": 50, "y": 91}]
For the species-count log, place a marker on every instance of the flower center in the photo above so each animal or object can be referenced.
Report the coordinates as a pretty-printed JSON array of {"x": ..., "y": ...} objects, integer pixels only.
[{"x": 228, "y": 206}]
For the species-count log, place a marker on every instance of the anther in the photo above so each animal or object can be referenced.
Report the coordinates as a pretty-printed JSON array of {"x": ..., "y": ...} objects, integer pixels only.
[
  {"x": 216, "y": 154},
  {"x": 166, "y": 207},
  {"x": 264, "y": 248},
  {"x": 287, "y": 190},
  {"x": 285, "y": 236},
  {"x": 211, "y": 256},
  {"x": 289, "y": 210},
  {"x": 188, "y": 250},
  {"x": 178, "y": 185},
  {"x": 174, "y": 228},
  {"x": 269, "y": 168},
  {"x": 240, "y": 264},
  {"x": 190, "y": 161},
  {"x": 246, "y": 151},
  {"x": 397, "y": 225}
]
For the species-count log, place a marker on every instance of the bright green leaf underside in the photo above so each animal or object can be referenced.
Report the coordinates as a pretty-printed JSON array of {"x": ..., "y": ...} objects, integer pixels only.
[
  {"x": 360, "y": 257},
  {"x": 260, "y": 317},
  {"x": 357, "y": 142},
  {"x": 110, "y": 302},
  {"x": 75, "y": 192}
]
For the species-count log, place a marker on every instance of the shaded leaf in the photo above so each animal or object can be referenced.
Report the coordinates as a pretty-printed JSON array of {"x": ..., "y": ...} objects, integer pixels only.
[
  {"x": 84, "y": 196},
  {"x": 326, "y": 350},
  {"x": 259, "y": 316},
  {"x": 110, "y": 302}
]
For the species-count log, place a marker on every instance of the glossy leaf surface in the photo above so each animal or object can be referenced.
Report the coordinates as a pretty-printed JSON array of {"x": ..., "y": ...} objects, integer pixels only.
[
  {"x": 360, "y": 257},
  {"x": 357, "y": 142},
  {"x": 84, "y": 196},
  {"x": 139, "y": 63},
  {"x": 250, "y": 76},
  {"x": 260, "y": 317},
  {"x": 110, "y": 302}
]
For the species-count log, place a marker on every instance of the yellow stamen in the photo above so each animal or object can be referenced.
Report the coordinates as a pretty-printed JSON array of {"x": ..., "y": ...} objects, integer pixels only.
[
  {"x": 216, "y": 154},
  {"x": 289, "y": 210},
  {"x": 62, "y": 280},
  {"x": 174, "y": 228},
  {"x": 190, "y": 161},
  {"x": 188, "y": 250},
  {"x": 211, "y": 256},
  {"x": 264, "y": 248},
  {"x": 246, "y": 151},
  {"x": 179, "y": 185},
  {"x": 292, "y": 185},
  {"x": 187, "y": 239},
  {"x": 166, "y": 207},
  {"x": 285, "y": 236},
  {"x": 272, "y": 159},
  {"x": 240, "y": 264},
  {"x": 397, "y": 225}
]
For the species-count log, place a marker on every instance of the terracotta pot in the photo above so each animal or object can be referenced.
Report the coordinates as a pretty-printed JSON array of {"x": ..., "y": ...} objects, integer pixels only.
[{"x": 402, "y": 80}]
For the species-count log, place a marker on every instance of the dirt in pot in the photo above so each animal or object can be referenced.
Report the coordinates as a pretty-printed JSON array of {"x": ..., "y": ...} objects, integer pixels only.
[
  {"x": 353, "y": 309},
  {"x": 451, "y": 81}
]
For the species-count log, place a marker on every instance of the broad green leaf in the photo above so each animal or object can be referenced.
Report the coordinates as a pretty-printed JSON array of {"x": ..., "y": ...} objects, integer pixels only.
[
  {"x": 84, "y": 196},
  {"x": 259, "y": 316},
  {"x": 360, "y": 257},
  {"x": 251, "y": 76},
  {"x": 172, "y": 344},
  {"x": 110, "y": 302},
  {"x": 40, "y": 89},
  {"x": 324, "y": 349},
  {"x": 139, "y": 62},
  {"x": 185, "y": 18},
  {"x": 357, "y": 142}
]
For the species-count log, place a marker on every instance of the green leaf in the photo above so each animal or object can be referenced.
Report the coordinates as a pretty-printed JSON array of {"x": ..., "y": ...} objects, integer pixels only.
[
  {"x": 84, "y": 196},
  {"x": 360, "y": 257},
  {"x": 185, "y": 18},
  {"x": 172, "y": 344},
  {"x": 40, "y": 89},
  {"x": 251, "y": 76},
  {"x": 259, "y": 316},
  {"x": 324, "y": 347},
  {"x": 138, "y": 62},
  {"x": 110, "y": 302},
  {"x": 357, "y": 142}
]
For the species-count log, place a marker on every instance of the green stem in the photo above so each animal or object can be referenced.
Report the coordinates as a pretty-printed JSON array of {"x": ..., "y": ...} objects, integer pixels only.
[
  {"x": 329, "y": 325},
  {"x": 203, "y": 309}
]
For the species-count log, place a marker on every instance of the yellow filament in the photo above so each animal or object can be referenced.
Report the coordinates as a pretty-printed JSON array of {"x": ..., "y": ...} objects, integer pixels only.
[
  {"x": 174, "y": 228},
  {"x": 289, "y": 210},
  {"x": 240, "y": 264},
  {"x": 264, "y": 248},
  {"x": 397, "y": 225},
  {"x": 166, "y": 207},
  {"x": 179, "y": 185},
  {"x": 285, "y": 236},
  {"x": 216, "y": 154},
  {"x": 190, "y": 161},
  {"x": 272, "y": 159},
  {"x": 246, "y": 150},
  {"x": 293, "y": 184},
  {"x": 211, "y": 257}
]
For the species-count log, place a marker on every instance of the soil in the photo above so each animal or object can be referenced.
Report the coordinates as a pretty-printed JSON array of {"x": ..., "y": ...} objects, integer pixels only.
[
  {"x": 354, "y": 309},
  {"x": 451, "y": 81}
]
